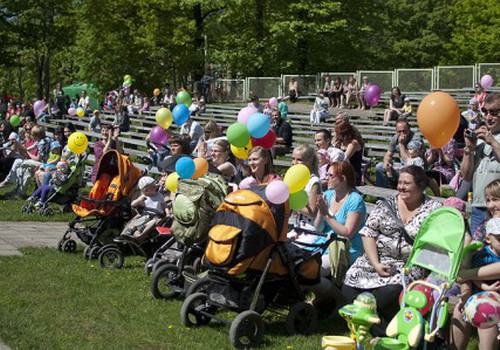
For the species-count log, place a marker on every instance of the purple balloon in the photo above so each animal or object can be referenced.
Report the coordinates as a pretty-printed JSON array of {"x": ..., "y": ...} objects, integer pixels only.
[
  {"x": 277, "y": 192},
  {"x": 273, "y": 102},
  {"x": 245, "y": 113},
  {"x": 72, "y": 111},
  {"x": 38, "y": 107},
  {"x": 159, "y": 135},
  {"x": 487, "y": 81},
  {"x": 372, "y": 95}
]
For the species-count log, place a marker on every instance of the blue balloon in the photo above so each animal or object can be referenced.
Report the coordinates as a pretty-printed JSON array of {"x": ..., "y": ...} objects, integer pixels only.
[
  {"x": 258, "y": 125},
  {"x": 185, "y": 168},
  {"x": 181, "y": 114}
]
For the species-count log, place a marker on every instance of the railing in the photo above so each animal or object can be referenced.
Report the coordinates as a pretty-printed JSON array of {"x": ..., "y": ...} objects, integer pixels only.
[{"x": 409, "y": 80}]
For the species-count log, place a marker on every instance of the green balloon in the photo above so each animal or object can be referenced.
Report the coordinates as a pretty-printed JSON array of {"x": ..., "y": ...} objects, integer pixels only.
[
  {"x": 183, "y": 97},
  {"x": 238, "y": 135},
  {"x": 298, "y": 200},
  {"x": 15, "y": 120}
]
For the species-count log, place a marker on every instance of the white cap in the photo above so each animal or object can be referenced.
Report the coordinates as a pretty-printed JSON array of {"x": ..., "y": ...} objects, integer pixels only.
[
  {"x": 14, "y": 136},
  {"x": 493, "y": 227},
  {"x": 145, "y": 181}
]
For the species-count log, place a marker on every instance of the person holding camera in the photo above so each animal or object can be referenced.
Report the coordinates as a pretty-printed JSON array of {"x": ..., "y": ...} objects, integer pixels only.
[
  {"x": 481, "y": 162},
  {"x": 110, "y": 140}
]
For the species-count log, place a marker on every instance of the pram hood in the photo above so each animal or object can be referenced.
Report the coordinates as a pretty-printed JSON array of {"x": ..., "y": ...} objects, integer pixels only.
[
  {"x": 116, "y": 179},
  {"x": 439, "y": 245},
  {"x": 245, "y": 230}
]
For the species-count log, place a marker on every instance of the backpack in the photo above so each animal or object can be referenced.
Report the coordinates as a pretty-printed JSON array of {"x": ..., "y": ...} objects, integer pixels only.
[{"x": 194, "y": 206}]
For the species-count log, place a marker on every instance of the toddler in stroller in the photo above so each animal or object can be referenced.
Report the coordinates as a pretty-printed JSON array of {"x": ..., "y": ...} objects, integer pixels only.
[
  {"x": 139, "y": 237},
  {"x": 59, "y": 177}
]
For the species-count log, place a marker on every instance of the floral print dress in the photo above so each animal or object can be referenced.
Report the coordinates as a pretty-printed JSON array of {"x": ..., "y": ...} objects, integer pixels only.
[{"x": 392, "y": 248}]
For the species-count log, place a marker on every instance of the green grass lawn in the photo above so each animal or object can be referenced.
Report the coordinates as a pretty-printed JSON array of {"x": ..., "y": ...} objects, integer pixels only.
[{"x": 53, "y": 300}]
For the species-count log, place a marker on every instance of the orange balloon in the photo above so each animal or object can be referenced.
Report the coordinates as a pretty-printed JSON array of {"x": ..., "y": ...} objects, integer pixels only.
[
  {"x": 438, "y": 117},
  {"x": 156, "y": 92},
  {"x": 201, "y": 169}
]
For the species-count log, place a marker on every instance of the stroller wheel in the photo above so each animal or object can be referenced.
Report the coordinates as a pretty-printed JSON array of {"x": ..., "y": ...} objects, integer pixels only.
[
  {"x": 148, "y": 266},
  {"x": 66, "y": 208},
  {"x": 69, "y": 246},
  {"x": 24, "y": 209},
  {"x": 159, "y": 264},
  {"x": 111, "y": 258},
  {"x": 86, "y": 253},
  {"x": 60, "y": 244},
  {"x": 167, "y": 282},
  {"x": 302, "y": 319},
  {"x": 197, "y": 267},
  {"x": 247, "y": 330},
  {"x": 190, "y": 310},
  {"x": 47, "y": 212},
  {"x": 198, "y": 286},
  {"x": 94, "y": 252}
]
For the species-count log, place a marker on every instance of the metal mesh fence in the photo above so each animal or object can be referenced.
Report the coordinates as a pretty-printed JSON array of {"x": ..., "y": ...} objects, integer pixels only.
[
  {"x": 455, "y": 77},
  {"x": 229, "y": 90},
  {"x": 308, "y": 84},
  {"x": 415, "y": 80},
  {"x": 266, "y": 87},
  {"x": 492, "y": 69},
  {"x": 384, "y": 79}
]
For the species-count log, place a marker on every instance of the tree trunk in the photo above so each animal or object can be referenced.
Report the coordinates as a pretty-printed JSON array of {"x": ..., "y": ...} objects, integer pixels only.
[
  {"x": 20, "y": 82},
  {"x": 46, "y": 77},
  {"x": 198, "y": 42},
  {"x": 259, "y": 30},
  {"x": 39, "y": 75}
]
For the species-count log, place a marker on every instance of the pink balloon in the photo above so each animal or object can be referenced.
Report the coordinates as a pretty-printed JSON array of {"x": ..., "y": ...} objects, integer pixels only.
[
  {"x": 72, "y": 112},
  {"x": 248, "y": 182},
  {"x": 273, "y": 102},
  {"x": 159, "y": 135},
  {"x": 277, "y": 192},
  {"x": 487, "y": 81},
  {"x": 38, "y": 107},
  {"x": 372, "y": 95},
  {"x": 245, "y": 113}
]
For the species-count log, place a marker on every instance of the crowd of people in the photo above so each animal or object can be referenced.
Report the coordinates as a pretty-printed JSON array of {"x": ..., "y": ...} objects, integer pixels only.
[{"x": 376, "y": 247}]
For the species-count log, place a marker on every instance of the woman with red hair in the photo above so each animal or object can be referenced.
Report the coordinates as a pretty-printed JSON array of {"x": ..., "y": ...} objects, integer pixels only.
[{"x": 349, "y": 140}]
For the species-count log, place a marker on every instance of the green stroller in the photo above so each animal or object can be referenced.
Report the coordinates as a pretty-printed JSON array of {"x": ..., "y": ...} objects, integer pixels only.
[{"x": 439, "y": 248}]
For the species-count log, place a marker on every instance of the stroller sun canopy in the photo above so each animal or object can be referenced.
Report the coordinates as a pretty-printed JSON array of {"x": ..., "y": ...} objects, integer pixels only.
[{"x": 439, "y": 244}]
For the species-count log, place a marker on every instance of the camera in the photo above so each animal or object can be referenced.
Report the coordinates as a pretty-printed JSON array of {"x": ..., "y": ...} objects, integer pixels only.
[{"x": 473, "y": 126}]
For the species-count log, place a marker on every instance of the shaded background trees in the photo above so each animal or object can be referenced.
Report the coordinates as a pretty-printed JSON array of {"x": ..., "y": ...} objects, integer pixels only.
[{"x": 43, "y": 42}]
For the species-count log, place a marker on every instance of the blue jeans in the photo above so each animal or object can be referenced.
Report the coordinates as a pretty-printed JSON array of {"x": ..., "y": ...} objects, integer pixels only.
[
  {"x": 478, "y": 215},
  {"x": 381, "y": 176}
]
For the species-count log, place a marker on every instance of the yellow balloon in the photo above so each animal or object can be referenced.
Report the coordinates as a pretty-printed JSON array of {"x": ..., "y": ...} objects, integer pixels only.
[
  {"x": 80, "y": 112},
  {"x": 172, "y": 182},
  {"x": 78, "y": 142},
  {"x": 127, "y": 77},
  {"x": 164, "y": 118},
  {"x": 242, "y": 152},
  {"x": 297, "y": 177}
]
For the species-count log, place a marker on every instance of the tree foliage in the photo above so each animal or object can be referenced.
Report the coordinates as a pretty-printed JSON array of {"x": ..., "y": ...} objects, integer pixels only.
[{"x": 152, "y": 40}]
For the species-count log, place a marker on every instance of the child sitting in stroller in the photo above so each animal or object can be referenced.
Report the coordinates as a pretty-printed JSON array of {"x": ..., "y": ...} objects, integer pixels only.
[
  {"x": 59, "y": 177},
  {"x": 154, "y": 210}
]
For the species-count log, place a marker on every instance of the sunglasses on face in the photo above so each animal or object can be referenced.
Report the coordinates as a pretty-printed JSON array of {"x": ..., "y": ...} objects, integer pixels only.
[{"x": 492, "y": 112}]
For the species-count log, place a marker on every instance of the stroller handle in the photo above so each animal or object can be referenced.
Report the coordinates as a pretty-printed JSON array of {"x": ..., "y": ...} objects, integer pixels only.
[{"x": 473, "y": 247}]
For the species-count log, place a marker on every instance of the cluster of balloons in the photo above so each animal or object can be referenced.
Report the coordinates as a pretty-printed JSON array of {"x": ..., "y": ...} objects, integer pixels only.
[
  {"x": 164, "y": 117},
  {"x": 38, "y": 107},
  {"x": 291, "y": 188},
  {"x": 487, "y": 81},
  {"x": 252, "y": 129},
  {"x": 76, "y": 111},
  {"x": 15, "y": 120},
  {"x": 127, "y": 81},
  {"x": 372, "y": 95},
  {"x": 78, "y": 142},
  {"x": 438, "y": 117},
  {"x": 186, "y": 168}
]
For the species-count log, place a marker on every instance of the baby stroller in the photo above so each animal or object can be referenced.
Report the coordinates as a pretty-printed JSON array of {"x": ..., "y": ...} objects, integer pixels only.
[
  {"x": 439, "y": 248},
  {"x": 177, "y": 264},
  {"x": 112, "y": 255},
  {"x": 157, "y": 152},
  {"x": 64, "y": 195},
  {"x": 100, "y": 216},
  {"x": 251, "y": 269}
]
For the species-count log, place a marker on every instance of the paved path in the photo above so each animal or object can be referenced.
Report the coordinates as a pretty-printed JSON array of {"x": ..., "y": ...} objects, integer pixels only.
[{"x": 14, "y": 235}]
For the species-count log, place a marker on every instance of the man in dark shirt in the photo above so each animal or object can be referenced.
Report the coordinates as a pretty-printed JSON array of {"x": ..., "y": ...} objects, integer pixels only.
[{"x": 284, "y": 135}]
